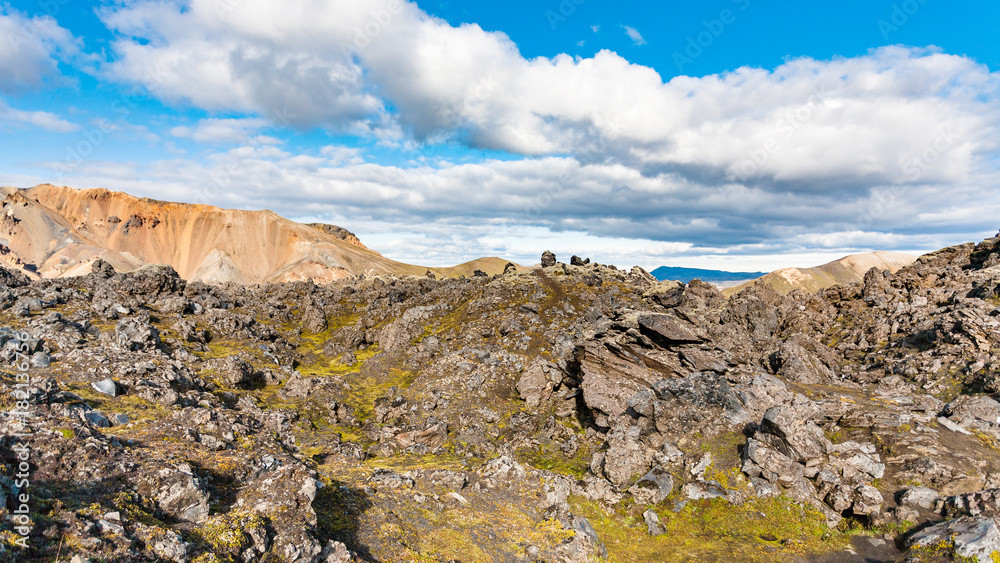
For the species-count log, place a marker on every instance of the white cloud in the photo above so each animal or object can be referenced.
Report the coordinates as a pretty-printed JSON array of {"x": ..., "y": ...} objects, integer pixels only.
[
  {"x": 634, "y": 35},
  {"x": 287, "y": 62},
  {"x": 43, "y": 119},
  {"x": 844, "y": 124},
  {"x": 30, "y": 49},
  {"x": 451, "y": 213},
  {"x": 228, "y": 131},
  {"x": 342, "y": 155},
  {"x": 827, "y": 154}
]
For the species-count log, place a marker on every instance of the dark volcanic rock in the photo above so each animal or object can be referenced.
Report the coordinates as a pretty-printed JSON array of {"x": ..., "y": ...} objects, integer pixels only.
[
  {"x": 136, "y": 334},
  {"x": 357, "y": 420}
]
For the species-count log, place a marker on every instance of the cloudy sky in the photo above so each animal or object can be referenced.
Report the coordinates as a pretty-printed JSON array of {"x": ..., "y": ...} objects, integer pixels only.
[{"x": 731, "y": 134}]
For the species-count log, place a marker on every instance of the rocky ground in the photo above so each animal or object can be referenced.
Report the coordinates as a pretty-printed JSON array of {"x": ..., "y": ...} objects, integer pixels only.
[{"x": 571, "y": 413}]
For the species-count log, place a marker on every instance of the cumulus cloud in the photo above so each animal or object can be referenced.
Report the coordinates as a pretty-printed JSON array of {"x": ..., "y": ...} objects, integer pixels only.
[
  {"x": 518, "y": 208},
  {"x": 43, "y": 119},
  {"x": 808, "y": 124},
  {"x": 749, "y": 161},
  {"x": 634, "y": 35},
  {"x": 290, "y": 63},
  {"x": 30, "y": 50},
  {"x": 212, "y": 130}
]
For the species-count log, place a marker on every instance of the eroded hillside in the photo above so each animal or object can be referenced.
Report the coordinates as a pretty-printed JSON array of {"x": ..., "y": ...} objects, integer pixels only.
[
  {"x": 567, "y": 413},
  {"x": 51, "y": 231}
]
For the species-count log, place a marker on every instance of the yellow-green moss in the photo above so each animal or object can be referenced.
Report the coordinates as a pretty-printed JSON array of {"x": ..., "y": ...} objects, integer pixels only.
[
  {"x": 550, "y": 458},
  {"x": 137, "y": 409},
  {"x": 226, "y": 535},
  {"x": 713, "y": 530},
  {"x": 365, "y": 388}
]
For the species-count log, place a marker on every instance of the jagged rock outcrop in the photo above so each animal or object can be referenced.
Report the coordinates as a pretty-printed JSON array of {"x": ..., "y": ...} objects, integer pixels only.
[{"x": 509, "y": 417}]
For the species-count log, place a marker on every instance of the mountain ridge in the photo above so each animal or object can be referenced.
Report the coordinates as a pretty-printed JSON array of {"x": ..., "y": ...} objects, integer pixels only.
[
  {"x": 56, "y": 231},
  {"x": 846, "y": 270}
]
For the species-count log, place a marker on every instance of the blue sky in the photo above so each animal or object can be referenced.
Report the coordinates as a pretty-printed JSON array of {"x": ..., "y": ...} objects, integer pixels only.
[{"x": 735, "y": 134}]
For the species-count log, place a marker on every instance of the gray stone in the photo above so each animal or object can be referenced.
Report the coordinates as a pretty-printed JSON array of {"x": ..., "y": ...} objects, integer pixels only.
[
  {"x": 96, "y": 419},
  {"x": 105, "y": 387},
  {"x": 40, "y": 360},
  {"x": 919, "y": 496},
  {"x": 975, "y": 538},
  {"x": 548, "y": 259},
  {"x": 653, "y": 487},
  {"x": 134, "y": 334},
  {"x": 669, "y": 329},
  {"x": 653, "y": 523},
  {"x": 171, "y": 546}
]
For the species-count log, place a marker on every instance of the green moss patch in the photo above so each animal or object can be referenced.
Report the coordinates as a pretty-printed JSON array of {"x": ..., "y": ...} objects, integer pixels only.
[{"x": 773, "y": 529}]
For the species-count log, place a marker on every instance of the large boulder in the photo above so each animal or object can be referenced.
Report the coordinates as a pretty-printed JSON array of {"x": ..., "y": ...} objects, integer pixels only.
[
  {"x": 668, "y": 329},
  {"x": 784, "y": 429},
  {"x": 177, "y": 493},
  {"x": 653, "y": 487},
  {"x": 534, "y": 385},
  {"x": 136, "y": 333},
  {"x": 236, "y": 372},
  {"x": 975, "y": 539},
  {"x": 626, "y": 457}
]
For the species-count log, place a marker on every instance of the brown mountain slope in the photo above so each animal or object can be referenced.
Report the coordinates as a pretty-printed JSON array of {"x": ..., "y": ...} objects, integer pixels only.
[
  {"x": 847, "y": 270},
  {"x": 51, "y": 231}
]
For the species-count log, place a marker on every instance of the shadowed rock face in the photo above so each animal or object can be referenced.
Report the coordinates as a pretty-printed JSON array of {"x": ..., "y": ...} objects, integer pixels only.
[{"x": 378, "y": 418}]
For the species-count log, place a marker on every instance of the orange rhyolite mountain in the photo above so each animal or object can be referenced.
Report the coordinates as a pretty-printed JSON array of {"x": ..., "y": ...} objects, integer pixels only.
[
  {"x": 51, "y": 231},
  {"x": 848, "y": 269}
]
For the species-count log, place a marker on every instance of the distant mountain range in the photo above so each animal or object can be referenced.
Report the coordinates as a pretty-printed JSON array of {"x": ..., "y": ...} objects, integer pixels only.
[
  {"x": 846, "y": 270},
  {"x": 849, "y": 269},
  {"x": 710, "y": 276}
]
